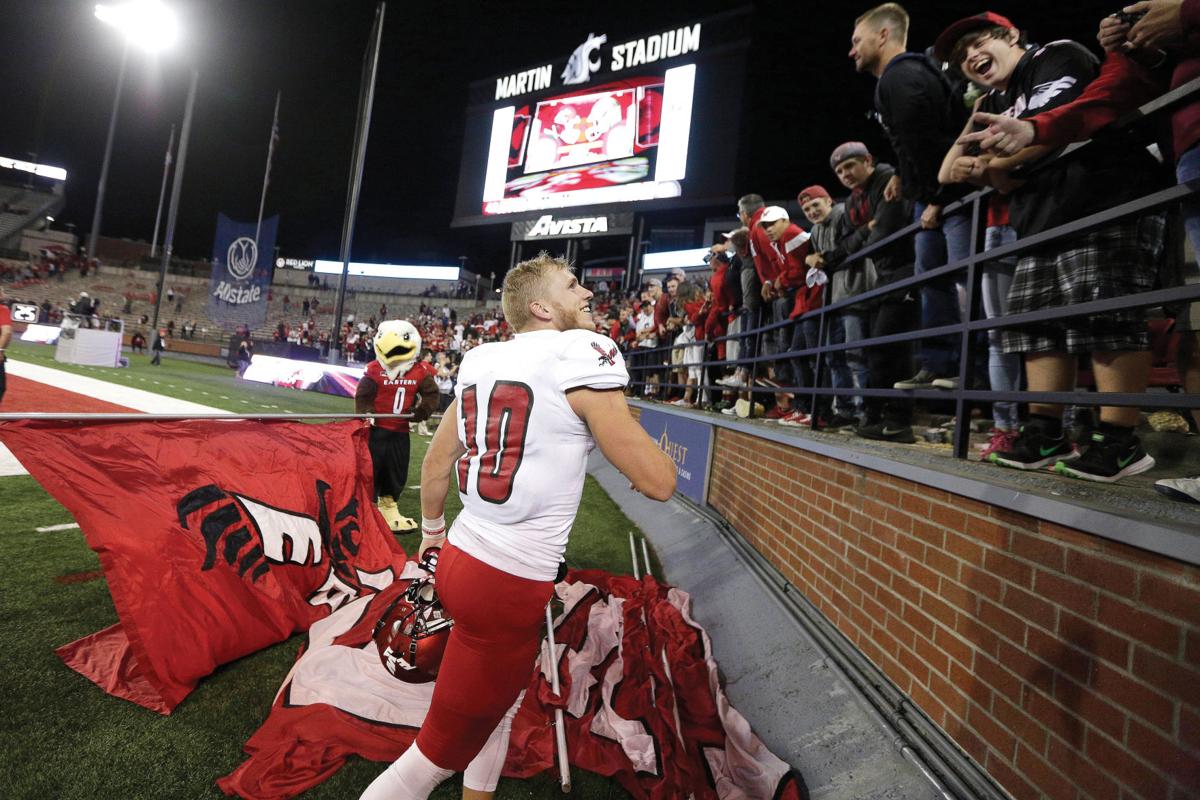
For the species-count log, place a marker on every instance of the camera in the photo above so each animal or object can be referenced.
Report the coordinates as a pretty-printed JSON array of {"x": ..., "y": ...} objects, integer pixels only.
[{"x": 1129, "y": 18}]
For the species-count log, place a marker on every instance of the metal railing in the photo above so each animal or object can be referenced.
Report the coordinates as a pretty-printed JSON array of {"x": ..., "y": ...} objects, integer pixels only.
[{"x": 962, "y": 398}]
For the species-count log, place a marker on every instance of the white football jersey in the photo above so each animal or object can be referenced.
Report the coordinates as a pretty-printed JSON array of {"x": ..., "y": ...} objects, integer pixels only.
[{"x": 522, "y": 475}]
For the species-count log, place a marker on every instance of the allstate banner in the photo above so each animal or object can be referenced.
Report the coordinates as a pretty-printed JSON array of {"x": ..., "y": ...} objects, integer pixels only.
[
  {"x": 241, "y": 272},
  {"x": 689, "y": 444}
]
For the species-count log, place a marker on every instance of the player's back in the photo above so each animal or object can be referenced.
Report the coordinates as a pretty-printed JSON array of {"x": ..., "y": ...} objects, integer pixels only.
[{"x": 522, "y": 475}]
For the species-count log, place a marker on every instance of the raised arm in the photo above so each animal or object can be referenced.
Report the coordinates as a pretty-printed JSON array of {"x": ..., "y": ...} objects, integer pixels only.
[{"x": 622, "y": 440}]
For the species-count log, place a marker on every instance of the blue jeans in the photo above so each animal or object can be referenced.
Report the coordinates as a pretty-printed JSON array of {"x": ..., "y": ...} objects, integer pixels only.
[
  {"x": 941, "y": 301},
  {"x": 1004, "y": 369},
  {"x": 838, "y": 367},
  {"x": 805, "y": 335},
  {"x": 856, "y": 326}
]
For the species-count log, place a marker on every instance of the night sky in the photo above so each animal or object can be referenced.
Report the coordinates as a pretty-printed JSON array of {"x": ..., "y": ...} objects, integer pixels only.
[{"x": 60, "y": 66}]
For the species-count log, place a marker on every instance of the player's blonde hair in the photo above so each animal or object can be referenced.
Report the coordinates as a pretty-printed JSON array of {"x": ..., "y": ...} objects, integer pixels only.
[
  {"x": 888, "y": 15},
  {"x": 524, "y": 283}
]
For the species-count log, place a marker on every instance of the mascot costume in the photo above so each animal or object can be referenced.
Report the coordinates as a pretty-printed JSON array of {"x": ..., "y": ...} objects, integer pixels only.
[{"x": 396, "y": 382}]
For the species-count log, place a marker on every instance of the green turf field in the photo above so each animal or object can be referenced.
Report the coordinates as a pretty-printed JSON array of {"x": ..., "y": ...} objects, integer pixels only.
[{"x": 64, "y": 738}]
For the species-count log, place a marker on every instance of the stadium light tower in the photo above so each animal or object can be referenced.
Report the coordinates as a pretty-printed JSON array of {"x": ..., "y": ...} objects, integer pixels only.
[{"x": 147, "y": 25}]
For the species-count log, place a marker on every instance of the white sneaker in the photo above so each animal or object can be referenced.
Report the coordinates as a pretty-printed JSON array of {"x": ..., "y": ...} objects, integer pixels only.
[
  {"x": 1184, "y": 489},
  {"x": 742, "y": 409},
  {"x": 733, "y": 382}
]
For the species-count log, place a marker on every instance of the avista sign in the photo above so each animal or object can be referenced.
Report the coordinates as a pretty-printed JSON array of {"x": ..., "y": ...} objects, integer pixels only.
[
  {"x": 547, "y": 225},
  {"x": 589, "y": 59}
]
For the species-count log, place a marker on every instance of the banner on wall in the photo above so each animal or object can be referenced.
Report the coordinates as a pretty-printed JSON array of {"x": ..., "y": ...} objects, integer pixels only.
[{"x": 689, "y": 444}]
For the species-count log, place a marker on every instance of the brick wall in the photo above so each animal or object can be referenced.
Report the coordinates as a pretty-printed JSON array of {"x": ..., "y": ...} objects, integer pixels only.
[{"x": 1067, "y": 665}]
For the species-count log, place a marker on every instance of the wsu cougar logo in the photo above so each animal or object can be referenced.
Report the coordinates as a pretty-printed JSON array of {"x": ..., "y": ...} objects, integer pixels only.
[
  {"x": 580, "y": 65},
  {"x": 249, "y": 536},
  {"x": 241, "y": 257}
]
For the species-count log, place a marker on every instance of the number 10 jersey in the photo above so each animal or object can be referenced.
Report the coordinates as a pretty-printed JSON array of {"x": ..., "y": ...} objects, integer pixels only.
[{"x": 521, "y": 477}]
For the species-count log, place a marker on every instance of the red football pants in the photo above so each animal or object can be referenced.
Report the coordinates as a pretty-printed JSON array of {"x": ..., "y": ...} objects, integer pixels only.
[{"x": 499, "y": 620}]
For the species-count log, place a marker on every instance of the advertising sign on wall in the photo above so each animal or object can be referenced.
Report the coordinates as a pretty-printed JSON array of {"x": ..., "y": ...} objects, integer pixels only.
[{"x": 689, "y": 444}]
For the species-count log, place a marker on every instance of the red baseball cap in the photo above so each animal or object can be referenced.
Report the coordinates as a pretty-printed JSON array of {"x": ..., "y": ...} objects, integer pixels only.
[
  {"x": 944, "y": 45},
  {"x": 811, "y": 193}
]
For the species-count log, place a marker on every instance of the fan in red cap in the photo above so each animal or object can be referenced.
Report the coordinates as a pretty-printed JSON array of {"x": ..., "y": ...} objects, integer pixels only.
[{"x": 944, "y": 46}]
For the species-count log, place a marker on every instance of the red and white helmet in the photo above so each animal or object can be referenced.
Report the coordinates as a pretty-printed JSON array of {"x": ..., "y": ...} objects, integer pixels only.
[{"x": 412, "y": 632}]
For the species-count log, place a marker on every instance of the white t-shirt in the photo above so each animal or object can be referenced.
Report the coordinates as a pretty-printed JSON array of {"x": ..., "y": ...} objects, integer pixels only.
[
  {"x": 645, "y": 322},
  {"x": 522, "y": 475}
]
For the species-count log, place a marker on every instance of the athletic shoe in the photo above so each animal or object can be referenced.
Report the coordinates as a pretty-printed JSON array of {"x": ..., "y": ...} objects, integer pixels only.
[
  {"x": 839, "y": 421},
  {"x": 732, "y": 381},
  {"x": 945, "y": 383},
  {"x": 797, "y": 419},
  {"x": 730, "y": 411},
  {"x": 1033, "y": 449},
  {"x": 1001, "y": 442},
  {"x": 922, "y": 380},
  {"x": 777, "y": 414},
  {"x": 742, "y": 409},
  {"x": 1108, "y": 459},
  {"x": 1185, "y": 489},
  {"x": 887, "y": 432}
]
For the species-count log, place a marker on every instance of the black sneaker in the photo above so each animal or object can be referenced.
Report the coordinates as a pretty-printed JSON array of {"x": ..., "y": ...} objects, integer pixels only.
[
  {"x": 1033, "y": 449},
  {"x": 887, "y": 432},
  {"x": 839, "y": 421},
  {"x": 1108, "y": 459},
  {"x": 922, "y": 380}
]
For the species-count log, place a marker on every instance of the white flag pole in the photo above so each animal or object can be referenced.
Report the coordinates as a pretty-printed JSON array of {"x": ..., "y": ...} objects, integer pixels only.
[{"x": 560, "y": 728}]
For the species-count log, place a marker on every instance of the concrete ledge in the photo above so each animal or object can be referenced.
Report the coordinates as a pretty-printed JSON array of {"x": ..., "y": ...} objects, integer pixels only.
[{"x": 1119, "y": 513}]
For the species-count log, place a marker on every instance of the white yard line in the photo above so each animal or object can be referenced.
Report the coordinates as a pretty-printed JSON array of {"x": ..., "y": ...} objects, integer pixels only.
[
  {"x": 125, "y": 396},
  {"x": 66, "y": 526}
]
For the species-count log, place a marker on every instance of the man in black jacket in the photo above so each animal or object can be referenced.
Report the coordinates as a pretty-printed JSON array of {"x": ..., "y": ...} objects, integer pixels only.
[
  {"x": 875, "y": 218},
  {"x": 917, "y": 105}
]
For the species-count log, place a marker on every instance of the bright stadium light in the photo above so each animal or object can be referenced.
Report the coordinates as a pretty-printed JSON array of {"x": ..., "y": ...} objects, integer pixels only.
[{"x": 146, "y": 24}]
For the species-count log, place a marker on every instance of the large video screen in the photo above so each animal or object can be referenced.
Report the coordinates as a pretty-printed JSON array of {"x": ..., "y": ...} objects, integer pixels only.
[{"x": 648, "y": 121}]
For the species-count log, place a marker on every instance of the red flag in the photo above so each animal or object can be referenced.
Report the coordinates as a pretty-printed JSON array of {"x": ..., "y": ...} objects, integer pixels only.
[
  {"x": 217, "y": 538},
  {"x": 679, "y": 738}
]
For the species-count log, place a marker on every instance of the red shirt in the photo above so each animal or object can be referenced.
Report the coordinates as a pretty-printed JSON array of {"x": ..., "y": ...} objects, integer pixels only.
[
  {"x": 1122, "y": 86},
  {"x": 5, "y": 316},
  {"x": 792, "y": 248},
  {"x": 397, "y": 396},
  {"x": 766, "y": 260}
]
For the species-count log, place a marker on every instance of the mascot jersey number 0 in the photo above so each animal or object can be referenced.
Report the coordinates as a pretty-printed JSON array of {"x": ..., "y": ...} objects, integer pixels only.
[{"x": 396, "y": 382}]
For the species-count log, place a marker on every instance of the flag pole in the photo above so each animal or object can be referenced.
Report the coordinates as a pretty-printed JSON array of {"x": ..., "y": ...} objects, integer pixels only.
[
  {"x": 560, "y": 727},
  {"x": 262, "y": 201},
  {"x": 176, "y": 188},
  {"x": 162, "y": 193},
  {"x": 366, "y": 99}
]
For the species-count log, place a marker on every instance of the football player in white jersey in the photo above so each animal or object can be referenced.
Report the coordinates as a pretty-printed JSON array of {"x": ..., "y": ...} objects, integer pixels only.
[{"x": 525, "y": 416}]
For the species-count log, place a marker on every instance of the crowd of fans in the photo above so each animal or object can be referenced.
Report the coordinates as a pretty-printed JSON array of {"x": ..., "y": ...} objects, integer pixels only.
[
  {"x": 981, "y": 107},
  {"x": 964, "y": 114}
]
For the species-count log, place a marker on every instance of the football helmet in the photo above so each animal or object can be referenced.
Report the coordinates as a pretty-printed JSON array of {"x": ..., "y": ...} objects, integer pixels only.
[
  {"x": 397, "y": 345},
  {"x": 412, "y": 632}
]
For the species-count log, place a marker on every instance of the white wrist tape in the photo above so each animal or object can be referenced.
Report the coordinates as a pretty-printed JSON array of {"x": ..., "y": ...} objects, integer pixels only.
[{"x": 434, "y": 529}]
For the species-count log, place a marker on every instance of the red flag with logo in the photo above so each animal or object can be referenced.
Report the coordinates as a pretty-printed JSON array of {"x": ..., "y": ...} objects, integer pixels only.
[
  {"x": 640, "y": 690},
  {"x": 217, "y": 538}
]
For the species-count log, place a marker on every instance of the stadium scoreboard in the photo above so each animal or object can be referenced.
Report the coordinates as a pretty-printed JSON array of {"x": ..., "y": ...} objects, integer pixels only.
[{"x": 622, "y": 123}]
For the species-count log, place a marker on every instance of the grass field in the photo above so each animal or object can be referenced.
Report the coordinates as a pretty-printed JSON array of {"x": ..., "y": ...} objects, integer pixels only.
[{"x": 65, "y": 738}]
